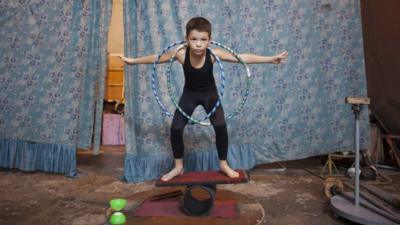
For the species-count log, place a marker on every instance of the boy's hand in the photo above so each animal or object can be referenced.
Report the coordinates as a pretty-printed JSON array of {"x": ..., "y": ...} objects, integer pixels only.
[
  {"x": 123, "y": 58},
  {"x": 280, "y": 57}
]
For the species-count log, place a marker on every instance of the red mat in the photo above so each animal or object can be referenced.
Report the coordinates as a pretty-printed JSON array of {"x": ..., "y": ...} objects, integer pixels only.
[
  {"x": 171, "y": 208},
  {"x": 204, "y": 178}
]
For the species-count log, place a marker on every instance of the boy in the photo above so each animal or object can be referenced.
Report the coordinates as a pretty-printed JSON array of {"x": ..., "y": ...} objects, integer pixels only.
[{"x": 200, "y": 88}]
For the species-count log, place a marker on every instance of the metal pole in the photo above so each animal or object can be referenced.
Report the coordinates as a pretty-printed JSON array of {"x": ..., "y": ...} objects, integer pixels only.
[{"x": 357, "y": 109}]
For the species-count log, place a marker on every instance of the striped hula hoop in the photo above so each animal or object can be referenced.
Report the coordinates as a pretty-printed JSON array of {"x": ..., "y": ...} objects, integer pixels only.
[{"x": 173, "y": 99}]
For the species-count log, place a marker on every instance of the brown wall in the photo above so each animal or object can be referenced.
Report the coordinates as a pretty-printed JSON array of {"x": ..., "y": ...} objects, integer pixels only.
[{"x": 381, "y": 33}]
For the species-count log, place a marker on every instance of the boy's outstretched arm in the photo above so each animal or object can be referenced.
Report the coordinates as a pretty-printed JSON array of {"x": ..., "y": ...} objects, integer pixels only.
[
  {"x": 149, "y": 59},
  {"x": 251, "y": 58}
]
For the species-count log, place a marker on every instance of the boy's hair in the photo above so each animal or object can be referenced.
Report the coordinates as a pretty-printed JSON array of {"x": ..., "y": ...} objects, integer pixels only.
[{"x": 200, "y": 24}]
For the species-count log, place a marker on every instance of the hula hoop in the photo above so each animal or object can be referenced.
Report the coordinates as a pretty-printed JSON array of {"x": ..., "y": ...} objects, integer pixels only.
[
  {"x": 173, "y": 99},
  {"x": 153, "y": 85},
  {"x": 231, "y": 115}
]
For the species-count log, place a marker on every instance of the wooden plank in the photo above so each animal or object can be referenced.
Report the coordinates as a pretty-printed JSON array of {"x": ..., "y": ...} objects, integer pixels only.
[{"x": 204, "y": 178}]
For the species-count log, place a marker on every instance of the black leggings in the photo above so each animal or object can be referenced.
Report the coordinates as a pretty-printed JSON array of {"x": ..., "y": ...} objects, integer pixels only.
[{"x": 188, "y": 102}]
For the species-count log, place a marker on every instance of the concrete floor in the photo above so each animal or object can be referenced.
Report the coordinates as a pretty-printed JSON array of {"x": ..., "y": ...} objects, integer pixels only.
[{"x": 288, "y": 197}]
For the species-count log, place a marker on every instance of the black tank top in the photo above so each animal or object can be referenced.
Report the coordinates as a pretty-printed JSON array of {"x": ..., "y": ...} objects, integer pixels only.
[{"x": 201, "y": 79}]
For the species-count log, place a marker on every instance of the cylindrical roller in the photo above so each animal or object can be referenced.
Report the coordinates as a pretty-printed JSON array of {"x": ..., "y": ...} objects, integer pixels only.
[{"x": 193, "y": 205}]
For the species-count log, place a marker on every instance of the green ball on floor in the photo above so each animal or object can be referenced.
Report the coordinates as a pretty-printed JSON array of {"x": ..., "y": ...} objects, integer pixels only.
[
  {"x": 117, "y": 218},
  {"x": 117, "y": 204}
]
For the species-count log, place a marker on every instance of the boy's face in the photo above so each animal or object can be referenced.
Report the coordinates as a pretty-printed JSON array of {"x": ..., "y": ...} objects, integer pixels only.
[{"x": 198, "y": 41}]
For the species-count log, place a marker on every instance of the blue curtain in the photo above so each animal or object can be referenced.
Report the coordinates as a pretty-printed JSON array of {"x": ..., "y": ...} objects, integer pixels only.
[
  {"x": 295, "y": 110},
  {"x": 53, "y": 60}
]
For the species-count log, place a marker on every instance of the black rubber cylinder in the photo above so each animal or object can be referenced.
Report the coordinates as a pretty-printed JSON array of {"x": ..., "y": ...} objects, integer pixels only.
[{"x": 193, "y": 206}]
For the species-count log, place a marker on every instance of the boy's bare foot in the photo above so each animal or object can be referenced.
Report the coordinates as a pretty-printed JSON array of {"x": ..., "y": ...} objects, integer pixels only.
[
  {"x": 227, "y": 170},
  {"x": 173, "y": 173},
  {"x": 177, "y": 170}
]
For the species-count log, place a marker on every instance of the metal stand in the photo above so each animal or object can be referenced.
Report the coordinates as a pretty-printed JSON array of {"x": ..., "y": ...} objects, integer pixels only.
[
  {"x": 356, "y": 110},
  {"x": 330, "y": 164},
  {"x": 347, "y": 205}
]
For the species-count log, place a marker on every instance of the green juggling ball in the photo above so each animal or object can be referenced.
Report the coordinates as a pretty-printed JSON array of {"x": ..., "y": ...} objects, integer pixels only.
[
  {"x": 117, "y": 218},
  {"x": 117, "y": 204}
]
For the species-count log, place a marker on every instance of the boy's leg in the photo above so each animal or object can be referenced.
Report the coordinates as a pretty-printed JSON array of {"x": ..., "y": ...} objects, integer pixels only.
[
  {"x": 178, "y": 124},
  {"x": 221, "y": 134}
]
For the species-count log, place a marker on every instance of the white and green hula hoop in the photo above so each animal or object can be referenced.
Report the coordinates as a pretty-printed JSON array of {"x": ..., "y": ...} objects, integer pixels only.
[
  {"x": 173, "y": 99},
  {"x": 153, "y": 82}
]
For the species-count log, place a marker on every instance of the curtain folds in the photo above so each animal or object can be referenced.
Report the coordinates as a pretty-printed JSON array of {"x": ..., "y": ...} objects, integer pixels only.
[
  {"x": 295, "y": 110},
  {"x": 28, "y": 156}
]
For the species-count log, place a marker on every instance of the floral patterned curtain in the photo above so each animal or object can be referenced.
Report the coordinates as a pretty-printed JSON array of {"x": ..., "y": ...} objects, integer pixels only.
[
  {"x": 53, "y": 57},
  {"x": 295, "y": 110}
]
